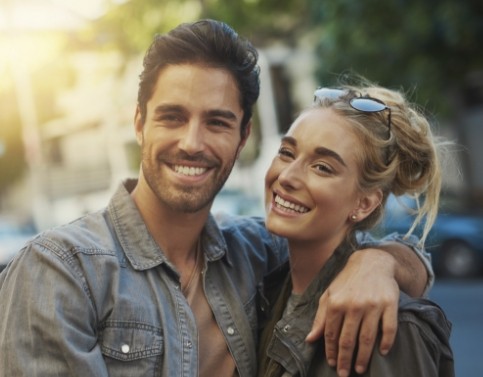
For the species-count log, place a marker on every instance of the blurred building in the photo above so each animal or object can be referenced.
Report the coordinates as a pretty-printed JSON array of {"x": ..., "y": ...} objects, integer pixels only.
[{"x": 92, "y": 146}]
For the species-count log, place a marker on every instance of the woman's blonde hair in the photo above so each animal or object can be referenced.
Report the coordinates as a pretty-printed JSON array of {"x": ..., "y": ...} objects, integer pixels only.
[{"x": 400, "y": 154}]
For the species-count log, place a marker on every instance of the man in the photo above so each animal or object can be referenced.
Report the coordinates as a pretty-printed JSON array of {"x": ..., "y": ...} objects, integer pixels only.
[{"x": 151, "y": 285}]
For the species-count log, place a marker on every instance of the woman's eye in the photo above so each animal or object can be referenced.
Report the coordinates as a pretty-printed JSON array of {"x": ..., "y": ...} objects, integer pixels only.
[
  {"x": 285, "y": 152},
  {"x": 323, "y": 168}
]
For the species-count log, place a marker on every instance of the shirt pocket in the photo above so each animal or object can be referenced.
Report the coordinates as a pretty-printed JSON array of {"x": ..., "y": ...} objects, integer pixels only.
[{"x": 131, "y": 348}]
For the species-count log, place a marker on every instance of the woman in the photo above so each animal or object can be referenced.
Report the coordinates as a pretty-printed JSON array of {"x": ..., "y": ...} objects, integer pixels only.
[{"x": 334, "y": 170}]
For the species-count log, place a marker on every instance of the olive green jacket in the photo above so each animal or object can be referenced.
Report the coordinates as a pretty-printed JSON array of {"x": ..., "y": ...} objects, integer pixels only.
[{"x": 421, "y": 347}]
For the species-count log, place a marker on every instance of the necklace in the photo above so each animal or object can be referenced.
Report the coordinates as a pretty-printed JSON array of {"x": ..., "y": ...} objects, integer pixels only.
[{"x": 194, "y": 271}]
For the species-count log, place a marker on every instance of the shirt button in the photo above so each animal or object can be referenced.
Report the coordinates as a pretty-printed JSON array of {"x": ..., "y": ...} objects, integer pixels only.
[
  {"x": 286, "y": 328},
  {"x": 230, "y": 330},
  {"x": 125, "y": 348},
  {"x": 189, "y": 344}
]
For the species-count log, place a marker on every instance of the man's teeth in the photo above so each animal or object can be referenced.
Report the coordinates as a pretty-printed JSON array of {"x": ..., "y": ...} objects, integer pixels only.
[
  {"x": 188, "y": 170},
  {"x": 286, "y": 205}
]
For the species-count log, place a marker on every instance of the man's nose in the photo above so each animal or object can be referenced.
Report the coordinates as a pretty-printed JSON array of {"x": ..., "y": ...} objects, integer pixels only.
[{"x": 192, "y": 140}]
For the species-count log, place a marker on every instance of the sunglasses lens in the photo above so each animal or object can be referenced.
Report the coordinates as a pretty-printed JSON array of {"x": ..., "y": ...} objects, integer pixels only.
[
  {"x": 367, "y": 105},
  {"x": 328, "y": 93}
]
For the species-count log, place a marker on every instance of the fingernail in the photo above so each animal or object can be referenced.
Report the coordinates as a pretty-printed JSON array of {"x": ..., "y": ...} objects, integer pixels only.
[
  {"x": 360, "y": 369},
  {"x": 384, "y": 352},
  {"x": 343, "y": 373},
  {"x": 332, "y": 362}
]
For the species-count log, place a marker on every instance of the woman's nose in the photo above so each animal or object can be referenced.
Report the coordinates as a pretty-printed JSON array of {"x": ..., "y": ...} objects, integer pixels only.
[{"x": 291, "y": 175}]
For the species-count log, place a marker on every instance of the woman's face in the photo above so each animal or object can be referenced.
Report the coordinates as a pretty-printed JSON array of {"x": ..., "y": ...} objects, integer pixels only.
[{"x": 311, "y": 186}]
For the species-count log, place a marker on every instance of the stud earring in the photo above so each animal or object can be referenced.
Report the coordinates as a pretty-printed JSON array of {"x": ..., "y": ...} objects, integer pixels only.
[{"x": 353, "y": 217}]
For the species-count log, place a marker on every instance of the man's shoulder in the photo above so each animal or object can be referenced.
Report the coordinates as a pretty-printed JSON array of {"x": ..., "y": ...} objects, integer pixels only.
[
  {"x": 227, "y": 221},
  {"x": 90, "y": 232},
  {"x": 250, "y": 234},
  {"x": 246, "y": 227}
]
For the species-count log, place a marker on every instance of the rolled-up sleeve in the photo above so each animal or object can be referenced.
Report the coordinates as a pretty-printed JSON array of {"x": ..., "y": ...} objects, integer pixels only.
[{"x": 366, "y": 239}]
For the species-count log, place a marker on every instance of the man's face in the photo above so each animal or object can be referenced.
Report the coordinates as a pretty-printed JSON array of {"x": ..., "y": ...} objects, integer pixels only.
[{"x": 191, "y": 137}]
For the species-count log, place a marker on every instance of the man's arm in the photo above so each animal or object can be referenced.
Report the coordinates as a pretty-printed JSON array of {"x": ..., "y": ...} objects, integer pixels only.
[
  {"x": 364, "y": 295},
  {"x": 411, "y": 274},
  {"x": 46, "y": 320},
  {"x": 414, "y": 271}
]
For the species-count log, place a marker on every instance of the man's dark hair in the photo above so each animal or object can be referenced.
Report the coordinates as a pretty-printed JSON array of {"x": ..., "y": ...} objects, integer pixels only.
[{"x": 208, "y": 42}]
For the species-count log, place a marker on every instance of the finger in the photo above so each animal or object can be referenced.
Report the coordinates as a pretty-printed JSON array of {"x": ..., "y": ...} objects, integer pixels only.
[
  {"x": 319, "y": 320},
  {"x": 389, "y": 329},
  {"x": 347, "y": 341},
  {"x": 367, "y": 338},
  {"x": 333, "y": 326}
]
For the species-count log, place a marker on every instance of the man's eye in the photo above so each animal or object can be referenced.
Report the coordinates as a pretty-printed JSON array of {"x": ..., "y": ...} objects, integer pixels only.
[
  {"x": 170, "y": 118},
  {"x": 218, "y": 123}
]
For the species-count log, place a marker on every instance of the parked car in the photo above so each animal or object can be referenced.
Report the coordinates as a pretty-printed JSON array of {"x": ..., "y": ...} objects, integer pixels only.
[
  {"x": 455, "y": 241},
  {"x": 13, "y": 237}
]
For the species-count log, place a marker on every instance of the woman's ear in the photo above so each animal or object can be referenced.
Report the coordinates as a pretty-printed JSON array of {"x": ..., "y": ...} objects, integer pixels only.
[{"x": 367, "y": 204}]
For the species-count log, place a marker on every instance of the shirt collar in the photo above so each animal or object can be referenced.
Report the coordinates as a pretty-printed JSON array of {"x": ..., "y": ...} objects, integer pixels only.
[{"x": 139, "y": 247}]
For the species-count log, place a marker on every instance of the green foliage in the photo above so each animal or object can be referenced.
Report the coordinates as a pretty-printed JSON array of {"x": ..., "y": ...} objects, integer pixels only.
[
  {"x": 131, "y": 25},
  {"x": 430, "y": 46},
  {"x": 427, "y": 47},
  {"x": 262, "y": 21}
]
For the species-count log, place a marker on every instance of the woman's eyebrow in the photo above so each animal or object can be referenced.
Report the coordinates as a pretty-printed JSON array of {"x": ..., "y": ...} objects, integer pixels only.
[{"x": 320, "y": 151}]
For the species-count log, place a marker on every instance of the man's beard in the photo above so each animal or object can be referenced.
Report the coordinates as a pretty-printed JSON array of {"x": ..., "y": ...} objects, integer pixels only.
[{"x": 184, "y": 198}]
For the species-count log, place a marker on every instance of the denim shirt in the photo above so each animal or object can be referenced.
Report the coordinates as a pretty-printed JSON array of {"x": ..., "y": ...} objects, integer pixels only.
[{"x": 97, "y": 297}]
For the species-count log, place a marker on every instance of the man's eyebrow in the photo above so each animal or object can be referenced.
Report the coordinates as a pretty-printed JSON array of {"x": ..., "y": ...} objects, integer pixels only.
[
  {"x": 167, "y": 108},
  {"x": 227, "y": 114},
  {"x": 320, "y": 151}
]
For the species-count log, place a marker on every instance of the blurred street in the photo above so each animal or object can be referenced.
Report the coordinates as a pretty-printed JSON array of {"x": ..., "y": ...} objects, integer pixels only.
[{"x": 463, "y": 304}]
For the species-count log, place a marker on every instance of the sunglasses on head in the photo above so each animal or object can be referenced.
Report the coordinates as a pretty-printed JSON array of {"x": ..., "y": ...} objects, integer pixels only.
[{"x": 365, "y": 104}]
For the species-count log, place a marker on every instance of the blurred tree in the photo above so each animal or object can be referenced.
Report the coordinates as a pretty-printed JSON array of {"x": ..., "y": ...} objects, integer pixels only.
[
  {"x": 44, "y": 76},
  {"x": 429, "y": 47},
  {"x": 131, "y": 25},
  {"x": 432, "y": 46}
]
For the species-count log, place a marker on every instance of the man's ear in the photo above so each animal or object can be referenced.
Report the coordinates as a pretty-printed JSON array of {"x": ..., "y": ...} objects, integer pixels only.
[
  {"x": 368, "y": 203},
  {"x": 244, "y": 139},
  {"x": 138, "y": 125}
]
